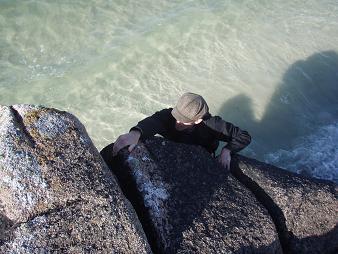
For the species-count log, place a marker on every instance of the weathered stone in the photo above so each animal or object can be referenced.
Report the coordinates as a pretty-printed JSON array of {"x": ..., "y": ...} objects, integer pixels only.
[
  {"x": 303, "y": 208},
  {"x": 188, "y": 203},
  {"x": 56, "y": 193}
]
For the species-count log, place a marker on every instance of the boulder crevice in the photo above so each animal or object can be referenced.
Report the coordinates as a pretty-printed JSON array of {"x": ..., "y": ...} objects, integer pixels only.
[
  {"x": 19, "y": 122},
  {"x": 188, "y": 203},
  {"x": 304, "y": 209},
  {"x": 275, "y": 212}
]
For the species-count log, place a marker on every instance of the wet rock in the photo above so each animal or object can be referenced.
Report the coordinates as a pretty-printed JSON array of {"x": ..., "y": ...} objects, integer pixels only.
[
  {"x": 303, "y": 208},
  {"x": 56, "y": 193},
  {"x": 188, "y": 203}
]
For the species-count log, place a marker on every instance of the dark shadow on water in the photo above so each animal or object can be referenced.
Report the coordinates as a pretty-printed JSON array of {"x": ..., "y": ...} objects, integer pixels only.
[{"x": 305, "y": 100}]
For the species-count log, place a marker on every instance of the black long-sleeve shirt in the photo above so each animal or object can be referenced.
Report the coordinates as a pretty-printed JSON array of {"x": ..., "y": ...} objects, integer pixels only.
[{"x": 208, "y": 133}]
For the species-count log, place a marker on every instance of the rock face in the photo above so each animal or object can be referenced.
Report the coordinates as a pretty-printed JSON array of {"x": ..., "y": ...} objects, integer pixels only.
[
  {"x": 188, "y": 203},
  {"x": 56, "y": 193},
  {"x": 304, "y": 209},
  {"x": 58, "y": 196}
]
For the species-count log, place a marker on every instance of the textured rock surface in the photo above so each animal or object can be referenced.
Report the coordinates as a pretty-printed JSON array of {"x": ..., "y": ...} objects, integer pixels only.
[
  {"x": 189, "y": 204},
  {"x": 305, "y": 209},
  {"x": 56, "y": 193}
]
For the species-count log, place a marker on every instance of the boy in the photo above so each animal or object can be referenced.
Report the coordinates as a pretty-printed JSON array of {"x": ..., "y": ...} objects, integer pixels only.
[{"x": 188, "y": 122}]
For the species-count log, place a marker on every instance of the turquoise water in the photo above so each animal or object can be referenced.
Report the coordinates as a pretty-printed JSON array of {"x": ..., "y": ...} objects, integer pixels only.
[{"x": 270, "y": 67}]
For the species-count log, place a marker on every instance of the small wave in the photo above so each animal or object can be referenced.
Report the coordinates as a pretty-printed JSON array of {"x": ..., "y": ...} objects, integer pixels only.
[{"x": 315, "y": 155}]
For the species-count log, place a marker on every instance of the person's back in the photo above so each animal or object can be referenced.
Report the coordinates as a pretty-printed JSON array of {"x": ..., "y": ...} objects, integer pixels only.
[{"x": 188, "y": 122}]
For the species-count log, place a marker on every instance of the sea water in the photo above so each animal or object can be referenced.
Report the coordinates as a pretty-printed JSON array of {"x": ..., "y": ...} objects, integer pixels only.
[{"x": 270, "y": 67}]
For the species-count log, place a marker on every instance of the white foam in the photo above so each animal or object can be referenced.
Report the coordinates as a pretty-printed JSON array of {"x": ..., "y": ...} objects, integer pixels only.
[{"x": 315, "y": 155}]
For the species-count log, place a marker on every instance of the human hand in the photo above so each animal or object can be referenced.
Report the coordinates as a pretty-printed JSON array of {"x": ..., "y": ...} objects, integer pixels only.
[
  {"x": 225, "y": 158},
  {"x": 129, "y": 139}
]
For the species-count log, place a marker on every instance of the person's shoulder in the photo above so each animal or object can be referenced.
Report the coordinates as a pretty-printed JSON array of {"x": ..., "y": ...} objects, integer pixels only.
[
  {"x": 166, "y": 111},
  {"x": 212, "y": 119},
  {"x": 215, "y": 123}
]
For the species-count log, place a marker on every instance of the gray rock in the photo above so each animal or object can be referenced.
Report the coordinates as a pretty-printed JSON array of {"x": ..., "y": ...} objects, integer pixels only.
[
  {"x": 56, "y": 193},
  {"x": 304, "y": 209},
  {"x": 188, "y": 203}
]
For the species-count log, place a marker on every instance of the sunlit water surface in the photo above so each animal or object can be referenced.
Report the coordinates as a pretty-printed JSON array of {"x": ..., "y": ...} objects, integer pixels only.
[{"x": 270, "y": 67}]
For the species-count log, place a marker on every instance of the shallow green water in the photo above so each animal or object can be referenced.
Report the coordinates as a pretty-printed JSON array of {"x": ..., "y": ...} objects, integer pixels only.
[{"x": 270, "y": 67}]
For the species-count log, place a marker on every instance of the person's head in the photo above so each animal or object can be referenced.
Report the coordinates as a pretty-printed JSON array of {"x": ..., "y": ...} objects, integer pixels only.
[{"x": 190, "y": 110}]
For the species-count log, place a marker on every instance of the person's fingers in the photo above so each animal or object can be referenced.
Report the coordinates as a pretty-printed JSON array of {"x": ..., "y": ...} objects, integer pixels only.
[
  {"x": 115, "y": 152},
  {"x": 222, "y": 161},
  {"x": 228, "y": 165},
  {"x": 118, "y": 145},
  {"x": 131, "y": 147},
  {"x": 224, "y": 164},
  {"x": 115, "y": 148}
]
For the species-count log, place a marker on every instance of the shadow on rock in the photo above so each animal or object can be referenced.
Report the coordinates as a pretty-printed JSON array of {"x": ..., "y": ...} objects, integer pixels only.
[
  {"x": 188, "y": 203},
  {"x": 5, "y": 226},
  {"x": 302, "y": 208}
]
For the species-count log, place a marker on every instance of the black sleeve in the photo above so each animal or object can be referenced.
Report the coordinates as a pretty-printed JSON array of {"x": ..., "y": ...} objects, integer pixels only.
[
  {"x": 158, "y": 123},
  {"x": 236, "y": 138}
]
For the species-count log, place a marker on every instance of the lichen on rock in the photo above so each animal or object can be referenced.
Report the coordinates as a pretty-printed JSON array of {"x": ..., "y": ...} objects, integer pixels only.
[{"x": 154, "y": 192}]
